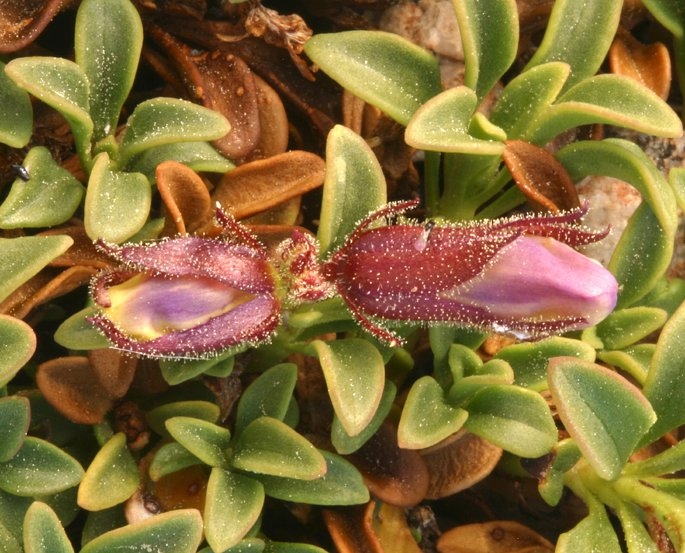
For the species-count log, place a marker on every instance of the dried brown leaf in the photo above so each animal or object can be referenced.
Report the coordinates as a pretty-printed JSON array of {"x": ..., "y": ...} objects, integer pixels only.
[
  {"x": 22, "y": 22},
  {"x": 185, "y": 197},
  {"x": 389, "y": 523},
  {"x": 349, "y": 532},
  {"x": 493, "y": 537},
  {"x": 113, "y": 370}
]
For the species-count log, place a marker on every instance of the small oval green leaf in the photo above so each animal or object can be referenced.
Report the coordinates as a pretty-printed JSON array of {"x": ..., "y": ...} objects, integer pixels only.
[
  {"x": 269, "y": 446},
  {"x": 15, "y": 414},
  {"x": 625, "y": 327},
  {"x": 355, "y": 375},
  {"x": 199, "y": 156},
  {"x": 232, "y": 507},
  {"x": 17, "y": 344},
  {"x": 382, "y": 68},
  {"x": 170, "y": 458},
  {"x": 209, "y": 442},
  {"x": 427, "y": 418},
  {"x": 197, "y": 409},
  {"x": 173, "y": 532},
  {"x": 38, "y": 469},
  {"x": 354, "y": 186},
  {"x": 111, "y": 478},
  {"x": 43, "y": 532},
  {"x": 117, "y": 204},
  {"x": 604, "y": 413}
]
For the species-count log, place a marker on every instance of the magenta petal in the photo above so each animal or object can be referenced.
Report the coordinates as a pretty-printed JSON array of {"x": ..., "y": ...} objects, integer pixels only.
[{"x": 249, "y": 323}]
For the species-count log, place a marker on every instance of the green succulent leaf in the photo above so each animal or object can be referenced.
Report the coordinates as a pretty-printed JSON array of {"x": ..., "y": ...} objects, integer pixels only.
[
  {"x": 442, "y": 124},
  {"x": 15, "y": 414},
  {"x": 634, "y": 360},
  {"x": 664, "y": 463},
  {"x": 50, "y": 196},
  {"x": 579, "y": 32},
  {"x": 666, "y": 378},
  {"x": 17, "y": 342},
  {"x": 269, "y": 395},
  {"x": 63, "y": 85},
  {"x": 355, "y": 375},
  {"x": 354, "y": 186},
  {"x": 207, "y": 441},
  {"x": 604, "y": 413},
  {"x": 78, "y": 334},
  {"x": 346, "y": 444},
  {"x": 16, "y": 113},
  {"x": 197, "y": 409},
  {"x": 170, "y": 458},
  {"x": 111, "y": 478},
  {"x": 43, "y": 532},
  {"x": 427, "y": 418},
  {"x": 177, "y": 531},
  {"x": 161, "y": 121},
  {"x": 565, "y": 455},
  {"x": 199, "y": 156},
  {"x": 341, "y": 485},
  {"x": 108, "y": 42},
  {"x": 627, "y": 326},
  {"x": 593, "y": 533},
  {"x": 269, "y": 446},
  {"x": 513, "y": 418},
  {"x": 489, "y": 34},
  {"x": 636, "y": 535},
  {"x": 176, "y": 371},
  {"x": 612, "y": 99},
  {"x": 38, "y": 469},
  {"x": 232, "y": 507},
  {"x": 529, "y": 359},
  {"x": 25, "y": 256},
  {"x": 117, "y": 204},
  {"x": 382, "y": 68},
  {"x": 527, "y": 96}
]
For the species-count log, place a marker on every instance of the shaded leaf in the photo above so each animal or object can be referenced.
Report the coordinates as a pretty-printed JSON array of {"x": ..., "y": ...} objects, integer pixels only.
[
  {"x": 384, "y": 69},
  {"x": 170, "y": 458},
  {"x": 199, "y": 156},
  {"x": 15, "y": 416},
  {"x": 233, "y": 505},
  {"x": 111, "y": 478},
  {"x": 16, "y": 121},
  {"x": 354, "y": 187},
  {"x": 591, "y": 399},
  {"x": 497, "y": 536},
  {"x": 202, "y": 410}
]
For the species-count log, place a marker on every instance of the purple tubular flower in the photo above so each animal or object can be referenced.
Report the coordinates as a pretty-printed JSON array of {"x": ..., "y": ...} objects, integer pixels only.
[
  {"x": 187, "y": 296},
  {"x": 518, "y": 275}
]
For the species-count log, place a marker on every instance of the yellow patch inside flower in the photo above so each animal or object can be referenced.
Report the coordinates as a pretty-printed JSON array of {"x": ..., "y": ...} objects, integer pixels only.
[{"x": 146, "y": 307}]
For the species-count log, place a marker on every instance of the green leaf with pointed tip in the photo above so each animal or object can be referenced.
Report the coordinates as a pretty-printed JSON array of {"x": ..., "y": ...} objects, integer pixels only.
[
  {"x": 78, "y": 334},
  {"x": 666, "y": 378},
  {"x": 529, "y": 359},
  {"x": 634, "y": 360},
  {"x": 209, "y": 442},
  {"x": 627, "y": 326},
  {"x": 579, "y": 32},
  {"x": 383, "y": 69},
  {"x": 43, "y": 532},
  {"x": 15, "y": 415},
  {"x": 593, "y": 533},
  {"x": 111, "y": 478},
  {"x": 50, "y": 196},
  {"x": 269, "y": 395},
  {"x": 604, "y": 413},
  {"x": 17, "y": 342},
  {"x": 197, "y": 409},
  {"x": 177, "y": 531},
  {"x": 489, "y": 34},
  {"x": 108, "y": 41},
  {"x": 232, "y": 507},
  {"x": 355, "y": 375},
  {"x": 16, "y": 113},
  {"x": 564, "y": 456},
  {"x": 176, "y": 370},
  {"x": 527, "y": 96},
  {"x": 513, "y": 418},
  {"x": 664, "y": 463},
  {"x": 341, "y": 485},
  {"x": 442, "y": 125},
  {"x": 611, "y": 99},
  {"x": 25, "y": 256},
  {"x": 354, "y": 186},
  {"x": 117, "y": 204},
  {"x": 637, "y": 537},
  {"x": 63, "y": 85},
  {"x": 38, "y": 469},
  {"x": 427, "y": 418},
  {"x": 170, "y": 458},
  {"x": 346, "y": 444},
  {"x": 162, "y": 121},
  {"x": 199, "y": 156},
  {"x": 269, "y": 446}
]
